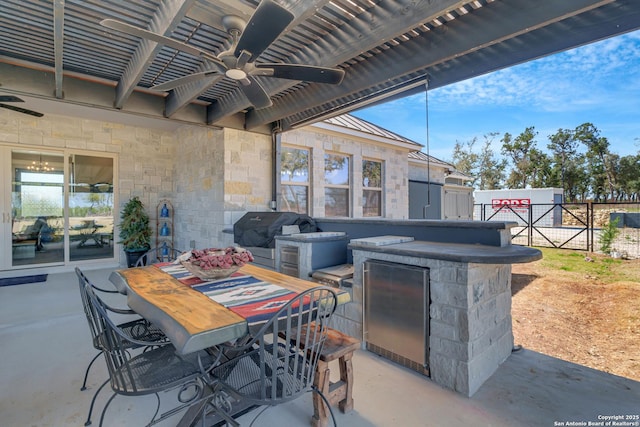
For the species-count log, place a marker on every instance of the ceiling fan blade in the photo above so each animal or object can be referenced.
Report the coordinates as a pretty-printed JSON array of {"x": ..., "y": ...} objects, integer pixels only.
[
  {"x": 267, "y": 23},
  {"x": 256, "y": 94},
  {"x": 243, "y": 58},
  {"x": 10, "y": 98},
  {"x": 22, "y": 110},
  {"x": 172, "y": 84},
  {"x": 307, "y": 73},
  {"x": 149, "y": 35}
]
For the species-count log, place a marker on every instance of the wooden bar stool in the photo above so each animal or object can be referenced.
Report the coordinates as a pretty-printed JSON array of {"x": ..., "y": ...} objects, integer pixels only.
[{"x": 338, "y": 346}]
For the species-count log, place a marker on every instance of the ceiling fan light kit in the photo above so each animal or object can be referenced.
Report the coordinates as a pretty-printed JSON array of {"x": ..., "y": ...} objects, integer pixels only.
[{"x": 238, "y": 63}]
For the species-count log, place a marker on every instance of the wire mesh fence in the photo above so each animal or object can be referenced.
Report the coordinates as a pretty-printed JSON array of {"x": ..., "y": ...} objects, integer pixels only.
[{"x": 612, "y": 228}]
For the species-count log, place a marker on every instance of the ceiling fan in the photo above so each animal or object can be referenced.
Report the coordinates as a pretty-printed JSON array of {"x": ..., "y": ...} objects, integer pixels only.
[
  {"x": 11, "y": 98},
  {"x": 249, "y": 40}
]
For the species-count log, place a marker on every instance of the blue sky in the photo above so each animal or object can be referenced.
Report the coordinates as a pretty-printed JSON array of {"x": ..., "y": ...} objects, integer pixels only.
[{"x": 597, "y": 83}]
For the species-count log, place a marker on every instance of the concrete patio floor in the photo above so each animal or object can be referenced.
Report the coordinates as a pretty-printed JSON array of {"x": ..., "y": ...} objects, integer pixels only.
[{"x": 45, "y": 348}]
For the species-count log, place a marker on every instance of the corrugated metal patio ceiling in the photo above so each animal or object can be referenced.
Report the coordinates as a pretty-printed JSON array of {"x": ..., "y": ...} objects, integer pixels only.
[{"x": 386, "y": 47}]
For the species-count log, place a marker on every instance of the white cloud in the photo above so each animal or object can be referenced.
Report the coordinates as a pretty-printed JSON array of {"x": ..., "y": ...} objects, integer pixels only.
[
  {"x": 572, "y": 80},
  {"x": 596, "y": 83}
]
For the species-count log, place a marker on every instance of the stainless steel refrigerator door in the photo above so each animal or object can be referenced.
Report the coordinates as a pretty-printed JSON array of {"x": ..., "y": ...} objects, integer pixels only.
[{"x": 396, "y": 308}]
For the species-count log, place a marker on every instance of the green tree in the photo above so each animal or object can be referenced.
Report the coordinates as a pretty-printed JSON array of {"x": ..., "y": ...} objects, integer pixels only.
[
  {"x": 608, "y": 235},
  {"x": 563, "y": 146},
  {"x": 599, "y": 166},
  {"x": 491, "y": 170},
  {"x": 629, "y": 177},
  {"x": 576, "y": 179},
  {"x": 612, "y": 165},
  {"x": 518, "y": 151},
  {"x": 466, "y": 160},
  {"x": 540, "y": 169}
]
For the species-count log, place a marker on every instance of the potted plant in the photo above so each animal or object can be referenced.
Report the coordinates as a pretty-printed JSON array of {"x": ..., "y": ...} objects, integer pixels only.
[{"x": 135, "y": 232}]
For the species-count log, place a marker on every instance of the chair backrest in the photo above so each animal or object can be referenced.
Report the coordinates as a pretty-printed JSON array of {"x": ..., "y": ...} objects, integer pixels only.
[
  {"x": 285, "y": 352},
  {"x": 159, "y": 254},
  {"x": 92, "y": 319},
  {"x": 113, "y": 343}
]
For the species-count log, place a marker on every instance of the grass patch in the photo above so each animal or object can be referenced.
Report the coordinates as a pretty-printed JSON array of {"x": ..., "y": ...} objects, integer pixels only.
[{"x": 605, "y": 268}]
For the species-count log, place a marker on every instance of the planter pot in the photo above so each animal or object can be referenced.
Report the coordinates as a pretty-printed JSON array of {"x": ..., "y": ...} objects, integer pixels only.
[{"x": 132, "y": 257}]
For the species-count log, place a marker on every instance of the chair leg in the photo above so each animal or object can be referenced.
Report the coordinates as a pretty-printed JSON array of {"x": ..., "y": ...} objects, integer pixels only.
[
  {"x": 104, "y": 410},
  {"x": 93, "y": 401},
  {"x": 327, "y": 405},
  {"x": 346, "y": 377},
  {"x": 86, "y": 373},
  {"x": 153, "y": 420},
  {"x": 320, "y": 388}
]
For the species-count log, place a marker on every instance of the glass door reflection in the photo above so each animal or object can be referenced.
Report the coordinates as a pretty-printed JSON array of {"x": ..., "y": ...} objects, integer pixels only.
[
  {"x": 90, "y": 207},
  {"x": 37, "y": 208}
]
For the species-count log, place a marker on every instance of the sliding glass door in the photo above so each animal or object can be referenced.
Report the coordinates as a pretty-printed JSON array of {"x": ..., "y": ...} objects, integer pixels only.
[
  {"x": 90, "y": 207},
  {"x": 37, "y": 208},
  {"x": 57, "y": 207}
]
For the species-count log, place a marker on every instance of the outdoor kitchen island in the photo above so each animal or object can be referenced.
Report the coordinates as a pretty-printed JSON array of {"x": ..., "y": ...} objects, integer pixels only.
[
  {"x": 467, "y": 306},
  {"x": 466, "y": 300}
]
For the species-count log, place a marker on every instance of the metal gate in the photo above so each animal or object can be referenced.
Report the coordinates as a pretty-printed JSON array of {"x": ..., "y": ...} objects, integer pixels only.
[
  {"x": 577, "y": 226},
  {"x": 556, "y": 225}
]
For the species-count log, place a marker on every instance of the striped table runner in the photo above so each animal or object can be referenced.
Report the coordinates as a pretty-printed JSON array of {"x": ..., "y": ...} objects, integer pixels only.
[{"x": 251, "y": 298}]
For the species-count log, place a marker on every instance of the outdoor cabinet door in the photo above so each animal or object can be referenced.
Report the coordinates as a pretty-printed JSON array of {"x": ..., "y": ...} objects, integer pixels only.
[{"x": 397, "y": 309}]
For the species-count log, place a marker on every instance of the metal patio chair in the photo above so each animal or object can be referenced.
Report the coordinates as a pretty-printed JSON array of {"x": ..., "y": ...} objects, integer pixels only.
[
  {"x": 279, "y": 362},
  {"x": 159, "y": 254},
  {"x": 136, "y": 329},
  {"x": 156, "y": 369}
]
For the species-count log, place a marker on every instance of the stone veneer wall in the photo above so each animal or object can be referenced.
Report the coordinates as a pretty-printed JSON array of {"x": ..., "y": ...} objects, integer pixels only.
[
  {"x": 145, "y": 165},
  {"x": 221, "y": 174},
  {"x": 470, "y": 317},
  {"x": 212, "y": 176},
  {"x": 396, "y": 190},
  {"x": 199, "y": 182},
  {"x": 419, "y": 171}
]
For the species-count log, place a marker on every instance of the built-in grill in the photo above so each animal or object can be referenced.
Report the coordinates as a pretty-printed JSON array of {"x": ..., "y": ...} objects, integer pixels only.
[
  {"x": 259, "y": 229},
  {"x": 336, "y": 276},
  {"x": 256, "y": 231}
]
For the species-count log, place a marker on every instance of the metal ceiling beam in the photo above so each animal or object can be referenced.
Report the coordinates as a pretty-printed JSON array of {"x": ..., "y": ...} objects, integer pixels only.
[
  {"x": 84, "y": 98},
  {"x": 58, "y": 45},
  {"x": 166, "y": 19},
  {"x": 459, "y": 37},
  {"x": 387, "y": 20},
  {"x": 620, "y": 18},
  {"x": 591, "y": 30},
  {"x": 180, "y": 97}
]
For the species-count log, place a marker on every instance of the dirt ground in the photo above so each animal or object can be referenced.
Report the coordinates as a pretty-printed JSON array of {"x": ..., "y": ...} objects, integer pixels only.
[{"x": 578, "y": 318}]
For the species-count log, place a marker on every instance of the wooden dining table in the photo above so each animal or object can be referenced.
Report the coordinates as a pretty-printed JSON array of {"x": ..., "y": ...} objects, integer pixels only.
[{"x": 191, "y": 319}]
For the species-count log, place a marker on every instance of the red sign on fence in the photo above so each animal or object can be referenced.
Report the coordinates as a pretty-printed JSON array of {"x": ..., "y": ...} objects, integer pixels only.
[{"x": 514, "y": 203}]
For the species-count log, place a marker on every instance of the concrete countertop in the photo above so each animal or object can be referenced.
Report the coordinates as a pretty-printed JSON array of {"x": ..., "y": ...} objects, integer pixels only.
[
  {"x": 487, "y": 225},
  {"x": 323, "y": 236},
  {"x": 457, "y": 252}
]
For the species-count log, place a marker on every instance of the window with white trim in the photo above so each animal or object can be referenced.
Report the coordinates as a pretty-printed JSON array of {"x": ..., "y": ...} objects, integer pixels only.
[
  {"x": 294, "y": 180},
  {"x": 371, "y": 188},
  {"x": 336, "y": 185}
]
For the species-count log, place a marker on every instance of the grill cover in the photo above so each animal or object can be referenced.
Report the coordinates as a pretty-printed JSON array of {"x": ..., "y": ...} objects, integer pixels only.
[{"x": 260, "y": 228}]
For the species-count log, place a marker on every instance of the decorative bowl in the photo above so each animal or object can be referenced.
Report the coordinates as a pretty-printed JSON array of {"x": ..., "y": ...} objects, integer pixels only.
[
  {"x": 212, "y": 273},
  {"x": 214, "y": 263}
]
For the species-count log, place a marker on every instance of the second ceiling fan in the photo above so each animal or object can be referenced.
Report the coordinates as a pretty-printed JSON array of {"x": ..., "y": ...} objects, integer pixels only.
[
  {"x": 11, "y": 98},
  {"x": 249, "y": 40}
]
